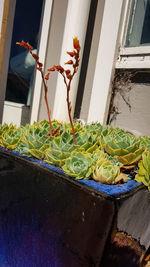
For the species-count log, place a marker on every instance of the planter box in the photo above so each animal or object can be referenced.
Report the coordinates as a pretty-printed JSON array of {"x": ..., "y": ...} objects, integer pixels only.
[{"x": 48, "y": 219}]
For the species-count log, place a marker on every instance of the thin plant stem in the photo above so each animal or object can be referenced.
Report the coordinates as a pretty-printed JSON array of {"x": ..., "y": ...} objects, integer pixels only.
[
  {"x": 69, "y": 105},
  {"x": 46, "y": 102}
]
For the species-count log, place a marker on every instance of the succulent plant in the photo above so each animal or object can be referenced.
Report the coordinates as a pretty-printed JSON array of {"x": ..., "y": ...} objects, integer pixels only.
[
  {"x": 60, "y": 149},
  {"x": 23, "y": 148},
  {"x": 63, "y": 143},
  {"x": 143, "y": 175},
  {"x": 99, "y": 152},
  {"x": 66, "y": 127},
  {"x": 56, "y": 157},
  {"x": 86, "y": 142},
  {"x": 108, "y": 173},
  {"x": 94, "y": 128},
  {"x": 107, "y": 130},
  {"x": 11, "y": 137},
  {"x": 124, "y": 146},
  {"x": 78, "y": 165},
  {"x": 3, "y": 129},
  {"x": 34, "y": 141}
]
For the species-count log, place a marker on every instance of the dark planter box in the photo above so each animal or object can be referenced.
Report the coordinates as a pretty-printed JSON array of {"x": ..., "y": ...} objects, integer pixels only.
[{"x": 48, "y": 219}]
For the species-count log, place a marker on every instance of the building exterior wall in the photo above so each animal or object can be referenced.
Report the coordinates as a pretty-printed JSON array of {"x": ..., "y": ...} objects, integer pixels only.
[{"x": 130, "y": 106}]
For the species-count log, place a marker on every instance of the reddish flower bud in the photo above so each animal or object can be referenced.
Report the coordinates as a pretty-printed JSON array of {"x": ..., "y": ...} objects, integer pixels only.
[
  {"x": 70, "y": 62},
  {"x": 51, "y": 69},
  {"x": 76, "y": 44},
  {"x": 29, "y": 46},
  {"x": 47, "y": 76},
  {"x": 67, "y": 72},
  {"x": 21, "y": 44},
  {"x": 25, "y": 45},
  {"x": 59, "y": 68},
  {"x": 72, "y": 54}
]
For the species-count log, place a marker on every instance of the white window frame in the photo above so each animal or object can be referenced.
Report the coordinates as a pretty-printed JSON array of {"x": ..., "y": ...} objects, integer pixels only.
[
  {"x": 105, "y": 61},
  {"x": 131, "y": 57}
]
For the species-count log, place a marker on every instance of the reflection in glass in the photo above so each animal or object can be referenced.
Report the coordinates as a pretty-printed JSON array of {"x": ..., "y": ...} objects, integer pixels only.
[
  {"x": 21, "y": 64},
  {"x": 138, "y": 33}
]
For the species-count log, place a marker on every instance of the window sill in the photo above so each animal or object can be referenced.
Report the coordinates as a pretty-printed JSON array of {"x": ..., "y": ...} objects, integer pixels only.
[
  {"x": 133, "y": 62},
  {"x": 140, "y": 50}
]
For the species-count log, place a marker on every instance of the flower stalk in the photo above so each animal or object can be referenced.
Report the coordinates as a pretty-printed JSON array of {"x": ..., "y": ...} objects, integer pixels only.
[
  {"x": 68, "y": 77},
  {"x": 66, "y": 74},
  {"x": 39, "y": 68}
]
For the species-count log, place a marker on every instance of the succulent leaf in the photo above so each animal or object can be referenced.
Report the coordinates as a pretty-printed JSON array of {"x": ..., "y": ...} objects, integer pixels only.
[{"x": 37, "y": 153}]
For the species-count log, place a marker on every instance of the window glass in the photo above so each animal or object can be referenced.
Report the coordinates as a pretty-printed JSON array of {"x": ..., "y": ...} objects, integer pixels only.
[
  {"x": 138, "y": 33},
  {"x": 21, "y": 64}
]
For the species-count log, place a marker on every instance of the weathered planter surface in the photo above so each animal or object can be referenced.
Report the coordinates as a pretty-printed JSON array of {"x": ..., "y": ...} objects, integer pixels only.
[{"x": 48, "y": 219}]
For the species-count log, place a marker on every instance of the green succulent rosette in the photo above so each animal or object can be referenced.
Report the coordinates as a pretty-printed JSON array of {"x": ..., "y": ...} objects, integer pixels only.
[
  {"x": 12, "y": 137},
  {"x": 44, "y": 126},
  {"x": 60, "y": 149},
  {"x": 63, "y": 143},
  {"x": 93, "y": 128},
  {"x": 34, "y": 141},
  {"x": 56, "y": 157},
  {"x": 3, "y": 129},
  {"x": 78, "y": 165},
  {"x": 143, "y": 175},
  {"x": 86, "y": 142},
  {"x": 124, "y": 146},
  {"x": 107, "y": 173}
]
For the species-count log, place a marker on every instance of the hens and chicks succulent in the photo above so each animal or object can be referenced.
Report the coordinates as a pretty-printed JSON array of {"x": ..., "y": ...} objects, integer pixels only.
[{"x": 102, "y": 153}]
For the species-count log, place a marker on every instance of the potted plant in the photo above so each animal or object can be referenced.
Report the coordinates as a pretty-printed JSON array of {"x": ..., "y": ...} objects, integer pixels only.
[{"x": 65, "y": 177}]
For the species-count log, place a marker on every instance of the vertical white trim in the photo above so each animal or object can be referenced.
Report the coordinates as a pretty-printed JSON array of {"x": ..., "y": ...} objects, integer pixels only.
[
  {"x": 125, "y": 21},
  {"x": 76, "y": 25},
  {"x": 42, "y": 53},
  {"x": 105, "y": 60}
]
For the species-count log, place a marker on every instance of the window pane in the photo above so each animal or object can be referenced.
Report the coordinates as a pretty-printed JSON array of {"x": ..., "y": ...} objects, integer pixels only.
[
  {"x": 139, "y": 24},
  {"x": 21, "y": 64}
]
